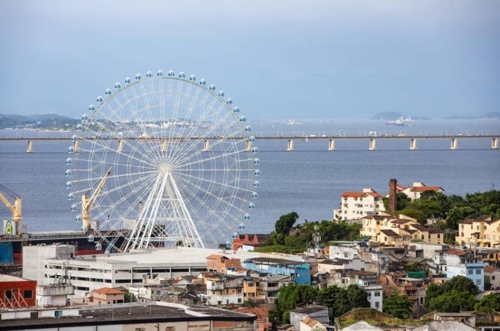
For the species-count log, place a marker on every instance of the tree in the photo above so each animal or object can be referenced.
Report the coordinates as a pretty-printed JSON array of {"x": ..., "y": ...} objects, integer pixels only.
[
  {"x": 489, "y": 303},
  {"x": 358, "y": 298},
  {"x": 457, "y": 214},
  {"x": 453, "y": 296},
  {"x": 284, "y": 225},
  {"x": 342, "y": 300},
  {"x": 129, "y": 297},
  {"x": 398, "y": 305},
  {"x": 291, "y": 296}
]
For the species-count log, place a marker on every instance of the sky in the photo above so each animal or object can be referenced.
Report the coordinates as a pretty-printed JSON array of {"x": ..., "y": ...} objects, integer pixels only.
[{"x": 280, "y": 59}]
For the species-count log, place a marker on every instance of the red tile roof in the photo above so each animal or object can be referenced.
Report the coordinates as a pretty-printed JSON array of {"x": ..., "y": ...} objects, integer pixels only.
[
  {"x": 108, "y": 290},
  {"x": 353, "y": 195},
  {"x": 390, "y": 233},
  {"x": 426, "y": 188}
]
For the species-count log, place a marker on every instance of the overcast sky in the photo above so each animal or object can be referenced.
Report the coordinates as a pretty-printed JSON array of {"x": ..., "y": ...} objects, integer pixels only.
[{"x": 276, "y": 59}]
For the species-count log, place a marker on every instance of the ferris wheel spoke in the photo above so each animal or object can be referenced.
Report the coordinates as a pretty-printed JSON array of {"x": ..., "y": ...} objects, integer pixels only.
[{"x": 164, "y": 183}]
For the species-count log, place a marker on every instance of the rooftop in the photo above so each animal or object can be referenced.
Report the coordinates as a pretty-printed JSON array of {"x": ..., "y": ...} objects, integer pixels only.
[{"x": 135, "y": 313}]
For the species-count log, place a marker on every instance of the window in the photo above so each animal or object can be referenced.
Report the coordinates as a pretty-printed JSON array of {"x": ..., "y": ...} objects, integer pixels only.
[
  {"x": 469, "y": 271},
  {"x": 28, "y": 294},
  {"x": 377, "y": 305},
  {"x": 478, "y": 282},
  {"x": 8, "y": 294},
  {"x": 377, "y": 293},
  {"x": 478, "y": 271}
]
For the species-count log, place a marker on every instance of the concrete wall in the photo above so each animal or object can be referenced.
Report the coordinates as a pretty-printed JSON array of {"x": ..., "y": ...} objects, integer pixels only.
[{"x": 34, "y": 260}]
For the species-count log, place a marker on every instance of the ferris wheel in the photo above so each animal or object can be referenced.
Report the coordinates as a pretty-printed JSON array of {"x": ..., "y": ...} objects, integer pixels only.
[{"x": 162, "y": 160}]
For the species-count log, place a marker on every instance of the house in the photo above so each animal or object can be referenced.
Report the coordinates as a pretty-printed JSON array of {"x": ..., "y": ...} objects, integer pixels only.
[
  {"x": 247, "y": 243},
  {"x": 310, "y": 324},
  {"x": 262, "y": 313},
  {"x": 16, "y": 292},
  {"x": 327, "y": 266},
  {"x": 252, "y": 292},
  {"x": 299, "y": 271},
  {"x": 269, "y": 286},
  {"x": 398, "y": 230},
  {"x": 318, "y": 313},
  {"x": 462, "y": 317},
  {"x": 464, "y": 263},
  {"x": 224, "y": 290},
  {"x": 344, "y": 251},
  {"x": 414, "y": 288},
  {"x": 415, "y": 191},
  {"x": 221, "y": 263},
  {"x": 479, "y": 232},
  {"x": 106, "y": 296},
  {"x": 355, "y": 205},
  {"x": 491, "y": 278},
  {"x": 361, "y": 326},
  {"x": 368, "y": 281}
]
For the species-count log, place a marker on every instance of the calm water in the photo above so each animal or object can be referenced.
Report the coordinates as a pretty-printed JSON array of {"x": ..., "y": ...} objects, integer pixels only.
[{"x": 308, "y": 180}]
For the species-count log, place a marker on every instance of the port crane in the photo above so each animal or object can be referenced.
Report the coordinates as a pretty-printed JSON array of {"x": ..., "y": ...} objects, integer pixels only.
[
  {"x": 87, "y": 203},
  {"x": 14, "y": 207}
]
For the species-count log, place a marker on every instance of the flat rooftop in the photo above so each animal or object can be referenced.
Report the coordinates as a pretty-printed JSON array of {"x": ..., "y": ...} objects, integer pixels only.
[
  {"x": 177, "y": 256},
  {"x": 134, "y": 313}
]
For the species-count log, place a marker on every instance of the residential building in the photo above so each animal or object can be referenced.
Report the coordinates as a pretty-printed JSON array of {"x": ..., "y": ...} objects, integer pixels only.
[
  {"x": 415, "y": 191},
  {"x": 269, "y": 286},
  {"x": 262, "y": 313},
  {"x": 356, "y": 205},
  {"x": 461, "y": 262},
  {"x": 252, "y": 292},
  {"x": 328, "y": 266},
  {"x": 398, "y": 230},
  {"x": 310, "y": 324},
  {"x": 220, "y": 263},
  {"x": 106, "y": 296},
  {"x": 344, "y": 251},
  {"x": 368, "y": 281},
  {"x": 299, "y": 271},
  {"x": 318, "y": 313},
  {"x": 491, "y": 278},
  {"x": 479, "y": 232},
  {"x": 224, "y": 290}
]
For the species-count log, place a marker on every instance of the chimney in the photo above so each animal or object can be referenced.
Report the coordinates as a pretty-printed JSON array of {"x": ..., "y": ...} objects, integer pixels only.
[{"x": 393, "y": 199}]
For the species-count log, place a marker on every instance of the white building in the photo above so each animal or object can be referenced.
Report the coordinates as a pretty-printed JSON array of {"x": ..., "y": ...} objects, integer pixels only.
[
  {"x": 344, "y": 251},
  {"x": 87, "y": 273},
  {"x": 415, "y": 191},
  {"x": 328, "y": 266},
  {"x": 224, "y": 291},
  {"x": 355, "y": 205},
  {"x": 34, "y": 260}
]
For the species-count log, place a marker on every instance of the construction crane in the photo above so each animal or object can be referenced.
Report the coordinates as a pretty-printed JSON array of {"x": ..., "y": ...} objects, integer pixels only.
[
  {"x": 15, "y": 208},
  {"x": 87, "y": 203}
]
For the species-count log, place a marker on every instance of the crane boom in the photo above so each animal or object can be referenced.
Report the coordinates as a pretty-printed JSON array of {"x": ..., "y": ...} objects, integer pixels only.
[
  {"x": 15, "y": 207},
  {"x": 87, "y": 203}
]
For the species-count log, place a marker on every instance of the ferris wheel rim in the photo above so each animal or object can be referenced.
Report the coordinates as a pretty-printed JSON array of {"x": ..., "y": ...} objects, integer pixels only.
[{"x": 184, "y": 172}]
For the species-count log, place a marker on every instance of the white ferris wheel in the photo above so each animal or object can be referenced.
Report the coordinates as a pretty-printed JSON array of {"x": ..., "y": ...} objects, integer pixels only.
[{"x": 162, "y": 160}]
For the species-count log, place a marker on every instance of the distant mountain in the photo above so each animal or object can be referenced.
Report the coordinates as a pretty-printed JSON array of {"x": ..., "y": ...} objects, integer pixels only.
[
  {"x": 492, "y": 115},
  {"x": 45, "y": 121}
]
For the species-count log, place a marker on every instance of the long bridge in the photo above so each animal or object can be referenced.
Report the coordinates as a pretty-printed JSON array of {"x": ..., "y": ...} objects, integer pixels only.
[{"x": 330, "y": 146}]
